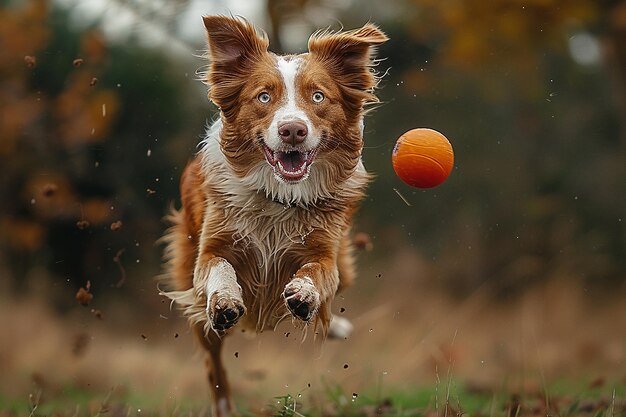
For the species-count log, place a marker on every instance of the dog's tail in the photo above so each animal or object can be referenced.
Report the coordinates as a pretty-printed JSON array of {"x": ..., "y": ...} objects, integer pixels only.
[{"x": 179, "y": 254}]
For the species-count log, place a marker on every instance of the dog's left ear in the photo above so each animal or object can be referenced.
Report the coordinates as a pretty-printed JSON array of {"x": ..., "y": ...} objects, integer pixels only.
[{"x": 349, "y": 56}]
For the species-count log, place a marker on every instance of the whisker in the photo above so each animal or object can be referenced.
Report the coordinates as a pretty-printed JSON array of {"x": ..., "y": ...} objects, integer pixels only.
[{"x": 330, "y": 141}]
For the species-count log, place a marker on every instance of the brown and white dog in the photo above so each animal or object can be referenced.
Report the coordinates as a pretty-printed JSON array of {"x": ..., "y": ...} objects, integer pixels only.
[{"x": 267, "y": 204}]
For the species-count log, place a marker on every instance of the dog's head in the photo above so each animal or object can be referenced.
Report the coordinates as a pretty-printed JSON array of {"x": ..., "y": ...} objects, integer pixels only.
[{"x": 291, "y": 125}]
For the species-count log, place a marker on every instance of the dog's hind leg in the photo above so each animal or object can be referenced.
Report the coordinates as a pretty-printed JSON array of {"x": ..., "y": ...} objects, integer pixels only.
[
  {"x": 340, "y": 327},
  {"x": 212, "y": 342},
  {"x": 345, "y": 262}
]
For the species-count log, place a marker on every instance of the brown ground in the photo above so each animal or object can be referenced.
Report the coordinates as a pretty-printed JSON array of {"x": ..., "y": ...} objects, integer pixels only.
[{"x": 404, "y": 336}]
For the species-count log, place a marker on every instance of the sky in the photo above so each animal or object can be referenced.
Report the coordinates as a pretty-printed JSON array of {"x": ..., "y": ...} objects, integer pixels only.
[
  {"x": 176, "y": 24},
  {"x": 153, "y": 22}
]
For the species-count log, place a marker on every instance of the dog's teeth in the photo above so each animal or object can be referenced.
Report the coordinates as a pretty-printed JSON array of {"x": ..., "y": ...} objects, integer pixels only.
[{"x": 300, "y": 170}]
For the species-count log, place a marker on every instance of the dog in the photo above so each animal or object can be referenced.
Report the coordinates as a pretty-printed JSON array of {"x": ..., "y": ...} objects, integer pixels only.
[{"x": 263, "y": 233}]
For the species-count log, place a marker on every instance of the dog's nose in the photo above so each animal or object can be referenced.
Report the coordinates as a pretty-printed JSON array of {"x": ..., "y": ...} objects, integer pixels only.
[{"x": 292, "y": 132}]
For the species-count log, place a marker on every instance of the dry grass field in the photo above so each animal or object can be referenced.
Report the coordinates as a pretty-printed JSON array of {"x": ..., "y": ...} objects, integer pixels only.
[{"x": 554, "y": 349}]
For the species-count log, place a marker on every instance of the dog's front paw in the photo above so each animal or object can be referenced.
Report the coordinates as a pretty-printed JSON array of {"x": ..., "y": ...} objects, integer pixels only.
[
  {"x": 224, "y": 311},
  {"x": 302, "y": 298}
]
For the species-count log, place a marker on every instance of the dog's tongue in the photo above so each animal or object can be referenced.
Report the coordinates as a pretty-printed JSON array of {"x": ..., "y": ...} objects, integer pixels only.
[{"x": 291, "y": 161}]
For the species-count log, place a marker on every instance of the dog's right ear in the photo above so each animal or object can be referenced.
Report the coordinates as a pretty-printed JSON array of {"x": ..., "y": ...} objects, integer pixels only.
[
  {"x": 232, "y": 38},
  {"x": 234, "y": 45}
]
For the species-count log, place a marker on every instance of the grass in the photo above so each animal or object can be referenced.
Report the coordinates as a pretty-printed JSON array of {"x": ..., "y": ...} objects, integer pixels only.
[
  {"x": 608, "y": 400},
  {"x": 430, "y": 342},
  {"x": 77, "y": 402},
  {"x": 445, "y": 399}
]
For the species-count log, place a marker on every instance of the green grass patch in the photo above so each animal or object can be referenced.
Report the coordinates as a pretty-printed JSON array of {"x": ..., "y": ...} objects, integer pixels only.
[
  {"x": 454, "y": 399},
  {"x": 446, "y": 399}
]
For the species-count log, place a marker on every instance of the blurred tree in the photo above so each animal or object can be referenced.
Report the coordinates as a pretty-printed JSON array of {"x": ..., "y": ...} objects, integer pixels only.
[
  {"x": 514, "y": 35},
  {"x": 279, "y": 12},
  {"x": 536, "y": 128},
  {"x": 88, "y": 135},
  {"x": 92, "y": 133},
  {"x": 541, "y": 163}
]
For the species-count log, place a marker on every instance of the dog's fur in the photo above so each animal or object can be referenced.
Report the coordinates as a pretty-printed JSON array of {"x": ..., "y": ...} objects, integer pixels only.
[{"x": 267, "y": 204}]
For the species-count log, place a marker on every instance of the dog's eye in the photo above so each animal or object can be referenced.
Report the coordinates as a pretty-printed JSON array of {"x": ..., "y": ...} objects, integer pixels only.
[
  {"x": 264, "y": 97},
  {"x": 318, "y": 96}
]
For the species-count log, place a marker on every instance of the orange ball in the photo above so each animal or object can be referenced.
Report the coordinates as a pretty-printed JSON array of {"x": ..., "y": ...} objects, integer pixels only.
[{"x": 422, "y": 158}]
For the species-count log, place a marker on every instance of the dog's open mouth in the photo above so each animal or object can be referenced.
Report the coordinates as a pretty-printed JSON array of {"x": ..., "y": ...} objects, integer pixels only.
[{"x": 290, "y": 165}]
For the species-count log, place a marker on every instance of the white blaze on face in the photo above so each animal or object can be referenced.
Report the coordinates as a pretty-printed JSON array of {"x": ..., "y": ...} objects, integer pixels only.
[{"x": 289, "y": 110}]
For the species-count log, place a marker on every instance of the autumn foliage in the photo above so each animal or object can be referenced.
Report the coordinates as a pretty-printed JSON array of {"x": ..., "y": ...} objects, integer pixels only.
[{"x": 93, "y": 134}]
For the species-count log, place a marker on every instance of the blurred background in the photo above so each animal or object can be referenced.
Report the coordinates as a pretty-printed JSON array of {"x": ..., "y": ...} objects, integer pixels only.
[{"x": 511, "y": 270}]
